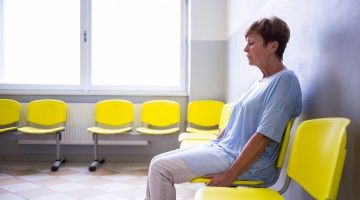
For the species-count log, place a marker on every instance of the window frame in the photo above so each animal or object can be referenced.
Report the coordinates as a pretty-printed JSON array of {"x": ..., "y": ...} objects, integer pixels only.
[{"x": 85, "y": 87}]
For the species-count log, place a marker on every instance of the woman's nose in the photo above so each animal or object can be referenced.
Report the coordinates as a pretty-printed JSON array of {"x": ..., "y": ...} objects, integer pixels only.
[{"x": 246, "y": 49}]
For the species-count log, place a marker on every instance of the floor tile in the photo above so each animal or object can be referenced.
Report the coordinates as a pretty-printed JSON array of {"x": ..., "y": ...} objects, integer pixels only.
[
  {"x": 62, "y": 172},
  {"x": 11, "y": 181},
  {"x": 84, "y": 193},
  {"x": 73, "y": 181},
  {"x": 33, "y": 193},
  {"x": 20, "y": 187},
  {"x": 2, "y": 191},
  {"x": 23, "y": 172},
  {"x": 113, "y": 187},
  {"x": 139, "y": 172},
  {"x": 50, "y": 181},
  {"x": 94, "y": 182},
  {"x": 10, "y": 196},
  {"x": 103, "y": 172},
  {"x": 65, "y": 187},
  {"x": 77, "y": 177},
  {"x": 35, "y": 177},
  {"x": 118, "y": 177},
  {"x": 58, "y": 196},
  {"x": 106, "y": 197},
  {"x": 5, "y": 176},
  {"x": 132, "y": 193}
]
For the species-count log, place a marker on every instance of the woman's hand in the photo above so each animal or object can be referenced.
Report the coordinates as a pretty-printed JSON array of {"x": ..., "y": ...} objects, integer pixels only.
[{"x": 224, "y": 179}]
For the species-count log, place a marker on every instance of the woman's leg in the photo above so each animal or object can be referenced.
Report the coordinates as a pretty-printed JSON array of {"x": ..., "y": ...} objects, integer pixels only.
[{"x": 165, "y": 170}]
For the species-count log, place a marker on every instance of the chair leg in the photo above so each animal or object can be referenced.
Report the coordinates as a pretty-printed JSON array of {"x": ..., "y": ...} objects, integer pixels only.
[
  {"x": 96, "y": 162},
  {"x": 58, "y": 160}
]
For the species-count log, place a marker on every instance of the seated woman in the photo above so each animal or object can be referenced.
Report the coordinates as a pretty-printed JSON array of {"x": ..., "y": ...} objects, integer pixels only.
[{"x": 248, "y": 147}]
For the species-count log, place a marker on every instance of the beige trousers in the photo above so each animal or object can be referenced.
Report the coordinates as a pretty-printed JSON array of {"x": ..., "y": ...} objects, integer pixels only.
[{"x": 166, "y": 170}]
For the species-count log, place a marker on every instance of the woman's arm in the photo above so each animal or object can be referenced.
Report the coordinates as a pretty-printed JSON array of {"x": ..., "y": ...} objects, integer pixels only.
[
  {"x": 251, "y": 151},
  {"x": 221, "y": 134}
]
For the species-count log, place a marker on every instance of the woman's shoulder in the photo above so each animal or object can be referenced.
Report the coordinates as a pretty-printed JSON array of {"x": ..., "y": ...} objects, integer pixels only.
[{"x": 287, "y": 74}]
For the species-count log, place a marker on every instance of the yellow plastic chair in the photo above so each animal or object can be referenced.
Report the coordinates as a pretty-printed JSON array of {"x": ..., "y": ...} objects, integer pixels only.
[
  {"x": 113, "y": 116},
  {"x": 47, "y": 116},
  {"x": 9, "y": 115},
  {"x": 316, "y": 162},
  {"x": 159, "y": 117},
  {"x": 203, "y": 116},
  {"x": 279, "y": 163},
  {"x": 192, "y": 139}
]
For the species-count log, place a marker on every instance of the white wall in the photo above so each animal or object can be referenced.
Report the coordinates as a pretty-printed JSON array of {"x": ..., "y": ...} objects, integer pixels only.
[
  {"x": 208, "y": 20},
  {"x": 241, "y": 12}
]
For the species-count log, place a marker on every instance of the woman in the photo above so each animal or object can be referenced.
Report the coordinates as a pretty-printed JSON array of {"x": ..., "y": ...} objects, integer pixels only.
[{"x": 248, "y": 147}]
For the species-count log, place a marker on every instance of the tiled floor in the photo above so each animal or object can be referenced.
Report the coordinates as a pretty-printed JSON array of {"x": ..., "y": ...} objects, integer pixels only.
[{"x": 112, "y": 181}]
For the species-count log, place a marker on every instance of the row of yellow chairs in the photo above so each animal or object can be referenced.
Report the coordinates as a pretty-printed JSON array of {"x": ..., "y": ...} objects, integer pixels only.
[
  {"x": 44, "y": 117},
  {"x": 111, "y": 117},
  {"x": 48, "y": 116},
  {"x": 115, "y": 116},
  {"x": 316, "y": 162}
]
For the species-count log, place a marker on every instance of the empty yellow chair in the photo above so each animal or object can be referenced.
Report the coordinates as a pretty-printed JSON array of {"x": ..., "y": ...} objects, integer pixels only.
[
  {"x": 204, "y": 116},
  {"x": 47, "y": 116},
  {"x": 316, "y": 162},
  {"x": 159, "y": 117},
  {"x": 279, "y": 163},
  {"x": 113, "y": 116},
  {"x": 9, "y": 115},
  {"x": 193, "y": 139}
]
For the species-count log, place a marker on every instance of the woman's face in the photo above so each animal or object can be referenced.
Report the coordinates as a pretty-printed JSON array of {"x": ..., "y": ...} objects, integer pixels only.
[{"x": 257, "y": 53}]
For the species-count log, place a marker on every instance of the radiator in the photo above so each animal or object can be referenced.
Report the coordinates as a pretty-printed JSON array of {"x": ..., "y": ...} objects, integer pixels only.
[{"x": 80, "y": 117}]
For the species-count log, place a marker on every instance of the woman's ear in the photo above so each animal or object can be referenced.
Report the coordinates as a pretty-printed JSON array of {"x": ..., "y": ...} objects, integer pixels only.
[{"x": 274, "y": 45}]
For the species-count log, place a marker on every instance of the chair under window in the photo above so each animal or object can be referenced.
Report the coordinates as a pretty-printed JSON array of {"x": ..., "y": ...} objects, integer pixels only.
[
  {"x": 159, "y": 117},
  {"x": 47, "y": 116},
  {"x": 9, "y": 115},
  {"x": 204, "y": 116},
  {"x": 113, "y": 116}
]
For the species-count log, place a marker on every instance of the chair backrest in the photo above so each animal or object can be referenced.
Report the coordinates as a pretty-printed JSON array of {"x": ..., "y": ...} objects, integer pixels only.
[
  {"x": 284, "y": 143},
  {"x": 114, "y": 112},
  {"x": 317, "y": 156},
  {"x": 160, "y": 113},
  {"x": 47, "y": 112},
  {"x": 204, "y": 112},
  {"x": 9, "y": 111},
  {"x": 225, "y": 115}
]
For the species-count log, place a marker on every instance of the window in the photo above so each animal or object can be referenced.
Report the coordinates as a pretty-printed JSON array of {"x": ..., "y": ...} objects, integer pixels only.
[
  {"x": 90, "y": 46},
  {"x": 40, "y": 44}
]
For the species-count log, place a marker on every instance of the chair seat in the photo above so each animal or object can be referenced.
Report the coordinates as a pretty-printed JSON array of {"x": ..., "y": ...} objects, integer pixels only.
[
  {"x": 34, "y": 130},
  {"x": 236, "y": 182},
  {"x": 13, "y": 128},
  {"x": 197, "y": 136},
  {"x": 144, "y": 130},
  {"x": 105, "y": 131},
  {"x": 191, "y": 143},
  {"x": 195, "y": 130},
  {"x": 223, "y": 193}
]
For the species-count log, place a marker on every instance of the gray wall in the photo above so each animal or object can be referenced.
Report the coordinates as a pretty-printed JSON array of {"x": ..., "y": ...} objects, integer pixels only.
[
  {"x": 208, "y": 70},
  {"x": 324, "y": 52}
]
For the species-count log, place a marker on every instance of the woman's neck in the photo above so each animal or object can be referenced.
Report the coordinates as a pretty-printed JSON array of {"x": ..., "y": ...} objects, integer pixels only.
[{"x": 272, "y": 68}]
